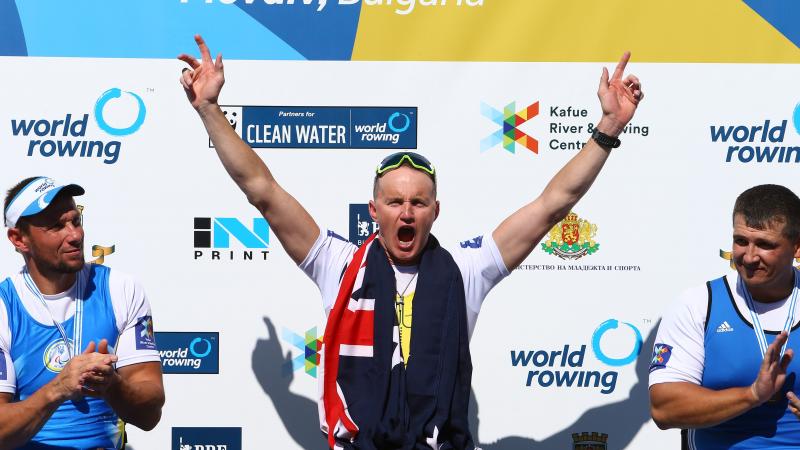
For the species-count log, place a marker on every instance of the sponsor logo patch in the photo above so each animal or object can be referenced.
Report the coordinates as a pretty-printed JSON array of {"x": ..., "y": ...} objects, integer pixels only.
[
  {"x": 661, "y": 354},
  {"x": 724, "y": 327},
  {"x": 145, "y": 337},
  {"x": 3, "y": 368}
]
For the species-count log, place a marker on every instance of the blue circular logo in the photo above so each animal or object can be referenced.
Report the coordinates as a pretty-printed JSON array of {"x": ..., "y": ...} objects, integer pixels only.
[
  {"x": 196, "y": 341},
  {"x": 101, "y": 121},
  {"x": 396, "y": 116},
  {"x": 796, "y": 118},
  {"x": 612, "y": 324}
]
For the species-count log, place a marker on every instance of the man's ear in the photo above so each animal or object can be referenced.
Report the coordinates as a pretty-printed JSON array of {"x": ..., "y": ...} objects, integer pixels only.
[
  {"x": 18, "y": 239},
  {"x": 373, "y": 211}
]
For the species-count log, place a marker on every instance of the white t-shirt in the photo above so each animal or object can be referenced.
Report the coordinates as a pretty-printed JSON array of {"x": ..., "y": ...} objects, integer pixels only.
[
  {"x": 683, "y": 328},
  {"x": 128, "y": 300},
  {"x": 478, "y": 259}
]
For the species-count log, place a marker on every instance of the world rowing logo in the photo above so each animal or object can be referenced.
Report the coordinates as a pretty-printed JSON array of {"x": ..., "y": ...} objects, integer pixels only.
[
  {"x": 99, "y": 110},
  {"x": 116, "y": 112}
]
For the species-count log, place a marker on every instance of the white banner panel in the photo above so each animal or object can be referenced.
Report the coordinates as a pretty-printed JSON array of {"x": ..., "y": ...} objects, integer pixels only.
[{"x": 561, "y": 346}]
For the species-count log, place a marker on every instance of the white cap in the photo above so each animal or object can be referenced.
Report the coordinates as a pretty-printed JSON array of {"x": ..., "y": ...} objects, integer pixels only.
[{"x": 35, "y": 197}]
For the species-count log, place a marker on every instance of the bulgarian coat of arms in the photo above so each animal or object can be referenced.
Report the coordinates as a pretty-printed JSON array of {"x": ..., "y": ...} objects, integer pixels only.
[{"x": 572, "y": 238}]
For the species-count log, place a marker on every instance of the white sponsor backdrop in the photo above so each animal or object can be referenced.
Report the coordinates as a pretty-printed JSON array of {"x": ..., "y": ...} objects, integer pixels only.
[{"x": 661, "y": 205}]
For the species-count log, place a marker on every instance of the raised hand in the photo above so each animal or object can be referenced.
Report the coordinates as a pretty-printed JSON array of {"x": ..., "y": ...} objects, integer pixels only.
[
  {"x": 772, "y": 373},
  {"x": 618, "y": 97},
  {"x": 203, "y": 81}
]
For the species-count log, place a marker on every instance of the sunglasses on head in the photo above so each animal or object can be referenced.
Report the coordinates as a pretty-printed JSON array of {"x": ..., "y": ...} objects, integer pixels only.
[{"x": 396, "y": 160}]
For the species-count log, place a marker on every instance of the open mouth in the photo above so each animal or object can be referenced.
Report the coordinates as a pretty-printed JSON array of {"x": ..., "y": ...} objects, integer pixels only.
[{"x": 405, "y": 236}]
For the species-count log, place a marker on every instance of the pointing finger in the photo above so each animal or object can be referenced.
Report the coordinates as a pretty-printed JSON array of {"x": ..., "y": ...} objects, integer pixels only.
[
  {"x": 621, "y": 65},
  {"x": 204, "y": 53}
]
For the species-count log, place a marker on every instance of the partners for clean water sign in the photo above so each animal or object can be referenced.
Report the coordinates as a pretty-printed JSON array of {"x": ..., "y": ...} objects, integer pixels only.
[{"x": 325, "y": 126}]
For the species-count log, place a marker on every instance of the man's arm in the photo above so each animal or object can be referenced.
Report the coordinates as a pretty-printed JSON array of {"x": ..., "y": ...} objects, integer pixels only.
[
  {"x": 20, "y": 421},
  {"x": 135, "y": 393},
  {"x": 292, "y": 224},
  {"x": 687, "y": 405},
  {"x": 519, "y": 233}
]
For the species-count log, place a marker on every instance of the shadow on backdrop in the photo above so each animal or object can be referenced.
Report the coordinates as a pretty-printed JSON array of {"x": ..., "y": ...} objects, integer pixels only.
[
  {"x": 300, "y": 417},
  {"x": 621, "y": 420},
  {"x": 298, "y": 414}
]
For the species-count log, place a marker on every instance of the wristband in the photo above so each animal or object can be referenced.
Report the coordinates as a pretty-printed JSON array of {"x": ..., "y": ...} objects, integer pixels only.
[{"x": 605, "y": 140}]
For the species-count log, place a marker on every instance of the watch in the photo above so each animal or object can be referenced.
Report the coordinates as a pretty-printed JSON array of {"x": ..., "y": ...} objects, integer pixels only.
[{"x": 605, "y": 140}]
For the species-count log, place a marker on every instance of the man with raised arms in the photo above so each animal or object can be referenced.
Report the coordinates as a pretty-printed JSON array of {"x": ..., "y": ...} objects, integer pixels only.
[
  {"x": 382, "y": 385},
  {"x": 52, "y": 396}
]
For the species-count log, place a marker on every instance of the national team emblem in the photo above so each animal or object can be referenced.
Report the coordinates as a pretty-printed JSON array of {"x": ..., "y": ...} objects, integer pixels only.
[
  {"x": 3, "y": 373},
  {"x": 589, "y": 441},
  {"x": 145, "y": 336},
  {"x": 661, "y": 354},
  {"x": 572, "y": 238},
  {"x": 56, "y": 355}
]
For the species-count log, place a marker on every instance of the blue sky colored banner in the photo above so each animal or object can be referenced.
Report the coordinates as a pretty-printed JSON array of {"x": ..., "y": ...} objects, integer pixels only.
[{"x": 407, "y": 30}]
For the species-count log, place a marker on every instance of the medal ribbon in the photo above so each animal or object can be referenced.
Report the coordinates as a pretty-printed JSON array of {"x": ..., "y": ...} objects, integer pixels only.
[
  {"x": 78, "y": 323},
  {"x": 757, "y": 328}
]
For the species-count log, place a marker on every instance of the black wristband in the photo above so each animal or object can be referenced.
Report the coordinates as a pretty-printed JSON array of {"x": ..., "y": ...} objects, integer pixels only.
[{"x": 605, "y": 140}]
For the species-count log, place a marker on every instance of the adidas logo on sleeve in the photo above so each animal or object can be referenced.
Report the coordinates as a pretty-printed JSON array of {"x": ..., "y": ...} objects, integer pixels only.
[{"x": 724, "y": 327}]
